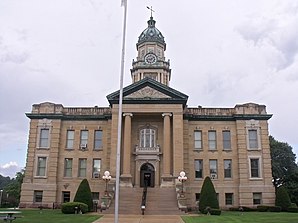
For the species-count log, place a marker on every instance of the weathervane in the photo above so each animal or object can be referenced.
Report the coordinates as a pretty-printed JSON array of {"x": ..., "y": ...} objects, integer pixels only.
[{"x": 150, "y": 8}]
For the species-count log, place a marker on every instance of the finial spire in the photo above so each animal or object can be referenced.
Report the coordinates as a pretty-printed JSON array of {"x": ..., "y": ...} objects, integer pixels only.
[{"x": 150, "y": 8}]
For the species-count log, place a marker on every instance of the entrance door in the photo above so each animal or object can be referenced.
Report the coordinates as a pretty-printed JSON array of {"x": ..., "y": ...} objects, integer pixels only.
[{"x": 147, "y": 175}]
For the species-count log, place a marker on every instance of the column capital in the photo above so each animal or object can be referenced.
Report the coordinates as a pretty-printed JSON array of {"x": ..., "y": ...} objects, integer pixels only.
[
  {"x": 127, "y": 114},
  {"x": 166, "y": 114}
]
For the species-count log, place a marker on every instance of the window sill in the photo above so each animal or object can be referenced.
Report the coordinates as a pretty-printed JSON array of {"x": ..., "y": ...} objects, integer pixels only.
[
  {"x": 69, "y": 149},
  {"x": 255, "y": 178},
  {"x": 197, "y": 179},
  {"x": 98, "y": 149},
  {"x": 43, "y": 148},
  {"x": 227, "y": 150},
  {"x": 40, "y": 177},
  {"x": 254, "y": 149},
  {"x": 198, "y": 150}
]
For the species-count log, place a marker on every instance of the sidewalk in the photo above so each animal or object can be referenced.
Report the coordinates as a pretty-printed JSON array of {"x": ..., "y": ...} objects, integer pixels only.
[{"x": 109, "y": 218}]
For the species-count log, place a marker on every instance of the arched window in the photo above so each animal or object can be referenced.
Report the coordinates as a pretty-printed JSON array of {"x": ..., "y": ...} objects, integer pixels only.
[{"x": 148, "y": 137}]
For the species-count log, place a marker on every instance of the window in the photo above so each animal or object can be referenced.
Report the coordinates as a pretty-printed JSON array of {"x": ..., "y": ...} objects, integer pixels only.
[
  {"x": 96, "y": 168},
  {"x": 254, "y": 167},
  {"x": 198, "y": 169},
  {"x": 257, "y": 198},
  {"x": 147, "y": 138},
  {"x": 84, "y": 138},
  {"x": 198, "y": 197},
  {"x": 95, "y": 196},
  {"x": 229, "y": 198},
  {"x": 44, "y": 138},
  {"x": 68, "y": 167},
  {"x": 198, "y": 139},
  {"x": 98, "y": 139},
  {"x": 253, "y": 139},
  {"x": 212, "y": 140},
  {"x": 226, "y": 136},
  {"x": 37, "y": 196},
  {"x": 65, "y": 196},
  {"x": 213, "y": 169},
  {"x": 82, "y": 167},
  {"x": 41, "y": 166},
  {"x": 69, "y": 139},
  {"x": 228, "y": 168}
]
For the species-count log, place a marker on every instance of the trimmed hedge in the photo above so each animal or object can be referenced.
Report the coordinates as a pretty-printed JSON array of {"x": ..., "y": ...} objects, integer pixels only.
[
  {"x": 215, "y": 211},
  {"x": 74, "y": 207},
  {"x": 262, "y": 208},
  {"x": 274, "y": 209},
  {"x": 292, "y": 209}
]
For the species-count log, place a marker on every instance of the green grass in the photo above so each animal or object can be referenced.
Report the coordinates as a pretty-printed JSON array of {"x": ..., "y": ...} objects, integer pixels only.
[
  {"x": 53, "y": 216},
  {"x": 246, "y": 217}
]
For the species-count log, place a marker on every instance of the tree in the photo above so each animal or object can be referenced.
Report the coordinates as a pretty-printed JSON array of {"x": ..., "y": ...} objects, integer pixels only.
[
  {"x": 13, "y": 189},
  {"x": 284, "y": 168},
  {"x": 282, "y": 198},
  {"x": 208, "y": 197},
  {"x": 84, "y": 195},
  {"x": 283, "y": 161}
]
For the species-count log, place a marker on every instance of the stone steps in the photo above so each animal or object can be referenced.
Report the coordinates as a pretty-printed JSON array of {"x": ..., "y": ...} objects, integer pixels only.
[{"x": 160, "y": 201}]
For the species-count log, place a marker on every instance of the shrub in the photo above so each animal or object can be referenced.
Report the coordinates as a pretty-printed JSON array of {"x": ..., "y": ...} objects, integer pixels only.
[
  {"x": 262, "y": 208},
  {"x": 247, "y": 209},
  {"x": 208, "y": 196},
  {"x": 282, "y": 198},
  {"x": 292, "y": 209},
  {"x": 72, "y": 207},
  {"x": 215, "y": 211},
  {"x": 274, "y": 209},
  {"x": 84, "y": 195}
]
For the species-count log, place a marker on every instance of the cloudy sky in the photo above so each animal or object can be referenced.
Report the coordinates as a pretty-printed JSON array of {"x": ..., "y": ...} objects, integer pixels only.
[{"x": 222, "y": 53}]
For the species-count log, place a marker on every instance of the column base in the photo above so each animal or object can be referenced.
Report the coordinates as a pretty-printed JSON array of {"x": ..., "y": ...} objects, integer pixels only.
[
  {"x": 167, "y": 180},
  {"x": 126, "y": 180}
]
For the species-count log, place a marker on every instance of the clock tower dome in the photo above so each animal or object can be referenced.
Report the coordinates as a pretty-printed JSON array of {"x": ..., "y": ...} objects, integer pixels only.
[{"x": 150, "y": 61}]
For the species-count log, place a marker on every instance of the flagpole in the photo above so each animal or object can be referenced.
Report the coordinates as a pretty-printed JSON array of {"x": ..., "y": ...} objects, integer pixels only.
[{"x": 123, "y": 3}]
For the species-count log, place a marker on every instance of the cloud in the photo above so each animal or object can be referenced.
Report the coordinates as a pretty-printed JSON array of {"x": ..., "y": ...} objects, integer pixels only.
[
  {"x": 277, "y": 30},
  {"x": 9, "y": 169}
]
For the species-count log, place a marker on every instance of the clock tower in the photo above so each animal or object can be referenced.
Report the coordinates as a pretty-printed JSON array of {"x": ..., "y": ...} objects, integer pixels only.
[{"x": 150, "y": 61}]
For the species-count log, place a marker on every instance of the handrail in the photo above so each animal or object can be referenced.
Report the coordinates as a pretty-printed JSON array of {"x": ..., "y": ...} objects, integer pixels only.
[{"x": 144, "y": 197}]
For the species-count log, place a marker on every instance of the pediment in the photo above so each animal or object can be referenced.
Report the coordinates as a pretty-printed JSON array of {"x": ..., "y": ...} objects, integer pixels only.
[{"x": 147, "y": 92}]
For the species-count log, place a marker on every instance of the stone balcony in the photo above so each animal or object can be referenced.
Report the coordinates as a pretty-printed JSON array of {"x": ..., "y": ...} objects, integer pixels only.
[{"x": 147, "y": 150}]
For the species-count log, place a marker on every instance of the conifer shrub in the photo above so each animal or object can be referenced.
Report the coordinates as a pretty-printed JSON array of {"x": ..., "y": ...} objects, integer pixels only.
[
  {"x": 282, "y": 198},
  {"x": 208, "y": 198},
  {"x": 84, "y": 194}
]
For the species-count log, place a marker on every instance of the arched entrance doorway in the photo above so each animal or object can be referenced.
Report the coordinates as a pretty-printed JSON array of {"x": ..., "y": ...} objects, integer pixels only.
[{"x": 147, "y": 175}]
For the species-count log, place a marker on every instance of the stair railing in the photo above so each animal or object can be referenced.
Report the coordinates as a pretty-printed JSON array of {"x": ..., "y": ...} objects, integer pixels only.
[{"x": 144, "y": 197}]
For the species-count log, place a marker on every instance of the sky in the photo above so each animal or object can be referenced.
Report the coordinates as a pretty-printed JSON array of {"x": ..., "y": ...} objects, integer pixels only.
[{"x": 222, "y": 53}]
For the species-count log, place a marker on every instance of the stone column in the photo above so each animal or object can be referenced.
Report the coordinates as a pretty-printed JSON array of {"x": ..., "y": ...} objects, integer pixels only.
[
  {"x": 166, "y": 176},
  {"x": 126, "y": 174}
]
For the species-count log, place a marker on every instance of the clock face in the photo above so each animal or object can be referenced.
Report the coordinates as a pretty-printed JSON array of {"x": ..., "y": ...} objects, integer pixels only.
[{"x": 150, "y": 58}]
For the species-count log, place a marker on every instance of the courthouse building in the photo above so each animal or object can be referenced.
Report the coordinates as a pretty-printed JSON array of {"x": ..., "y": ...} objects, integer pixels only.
[{"x": 161, "y": 136}]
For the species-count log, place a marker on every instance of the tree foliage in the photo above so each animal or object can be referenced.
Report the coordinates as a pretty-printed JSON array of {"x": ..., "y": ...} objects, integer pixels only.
[
  {"x": 84, "y": 194},
  {"x": 12, "y": 189},
  {"x": 284, "y": 167},
  {"x": 282, "y": 198},
  {"x": 208, "y": 196}
]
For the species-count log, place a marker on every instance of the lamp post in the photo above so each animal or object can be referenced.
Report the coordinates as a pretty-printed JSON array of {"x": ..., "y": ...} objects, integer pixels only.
[
  {"x": 182, "y": 178},
  {"x": 1, "y": 192},
  {"x": 106, "y": 177}
]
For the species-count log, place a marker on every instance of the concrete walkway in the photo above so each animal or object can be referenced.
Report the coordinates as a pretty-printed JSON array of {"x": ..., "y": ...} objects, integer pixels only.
[{"x": 109, "y": 218}]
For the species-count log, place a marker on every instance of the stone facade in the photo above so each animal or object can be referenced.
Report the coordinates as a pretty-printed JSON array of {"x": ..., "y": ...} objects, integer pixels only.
[{"x": 161, "y": 136}]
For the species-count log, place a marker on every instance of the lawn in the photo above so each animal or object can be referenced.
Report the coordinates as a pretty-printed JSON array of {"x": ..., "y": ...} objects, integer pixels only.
[
  {"x": 50, "y": 216},
  {"x": 246, "y": 217}
]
